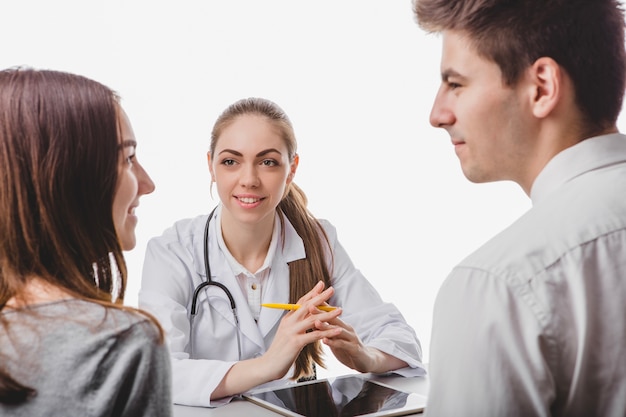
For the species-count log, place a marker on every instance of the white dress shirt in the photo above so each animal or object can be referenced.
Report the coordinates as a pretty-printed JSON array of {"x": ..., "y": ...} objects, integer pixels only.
[{"x": 534, "y": 322}]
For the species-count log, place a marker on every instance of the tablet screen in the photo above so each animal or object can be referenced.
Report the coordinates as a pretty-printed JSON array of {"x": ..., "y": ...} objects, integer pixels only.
[{"x": 345, "y": 396}]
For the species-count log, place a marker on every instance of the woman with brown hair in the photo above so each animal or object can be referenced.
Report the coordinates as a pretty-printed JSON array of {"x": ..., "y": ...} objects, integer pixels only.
[
  {"x": 69, "y": 186},
  {"x": 206, "y": 278}
]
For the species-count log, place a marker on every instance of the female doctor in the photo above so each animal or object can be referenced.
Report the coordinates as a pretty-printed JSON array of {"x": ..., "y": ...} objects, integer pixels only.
[{"x": 205, "y": 278}]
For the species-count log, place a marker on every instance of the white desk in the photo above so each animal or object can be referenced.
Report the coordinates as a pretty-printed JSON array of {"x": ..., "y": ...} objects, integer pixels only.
[{"x": 239, "y": 408}]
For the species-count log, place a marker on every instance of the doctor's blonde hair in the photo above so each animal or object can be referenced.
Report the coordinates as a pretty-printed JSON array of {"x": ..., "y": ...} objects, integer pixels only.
[{"x": 303, "y": 273}]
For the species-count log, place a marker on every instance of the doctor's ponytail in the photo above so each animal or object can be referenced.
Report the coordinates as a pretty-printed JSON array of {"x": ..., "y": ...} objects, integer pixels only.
[{"x": 303, "y": 273}]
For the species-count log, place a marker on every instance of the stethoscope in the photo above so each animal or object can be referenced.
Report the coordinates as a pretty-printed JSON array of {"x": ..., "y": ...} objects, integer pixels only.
[{"x": 209, "y": 281}]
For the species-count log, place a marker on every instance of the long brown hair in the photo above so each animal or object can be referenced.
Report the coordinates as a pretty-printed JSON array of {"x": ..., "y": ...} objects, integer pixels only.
[
  {"x": 59, "y": 156},
  {"x": 303, "y": 273}
]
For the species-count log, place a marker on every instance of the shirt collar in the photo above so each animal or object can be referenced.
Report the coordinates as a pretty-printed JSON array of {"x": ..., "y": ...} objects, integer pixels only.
[
  {"x": 585, "y": 156},
  {"x": 236, "y": 267}
]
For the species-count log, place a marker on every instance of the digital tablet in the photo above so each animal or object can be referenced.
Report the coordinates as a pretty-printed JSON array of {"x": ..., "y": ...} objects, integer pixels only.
[{"x": 342, "y": 396}]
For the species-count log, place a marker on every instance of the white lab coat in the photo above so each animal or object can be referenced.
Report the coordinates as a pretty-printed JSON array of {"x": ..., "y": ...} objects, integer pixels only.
[{"x": 174, "y": 266}]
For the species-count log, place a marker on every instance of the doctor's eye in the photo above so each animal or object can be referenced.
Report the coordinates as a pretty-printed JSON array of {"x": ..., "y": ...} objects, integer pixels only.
[{"x": 269, "y": 162}]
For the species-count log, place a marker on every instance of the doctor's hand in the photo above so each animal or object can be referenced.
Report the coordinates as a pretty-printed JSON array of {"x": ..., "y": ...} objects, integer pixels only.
[
  {"x": 297, "y": 329},
  {"x": 350, "y": 350},
  {"x": 300, "y": 327}
]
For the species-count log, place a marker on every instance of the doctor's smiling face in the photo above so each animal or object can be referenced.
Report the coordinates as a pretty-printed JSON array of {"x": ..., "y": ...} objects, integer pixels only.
[{"x": 251, "y": 166}]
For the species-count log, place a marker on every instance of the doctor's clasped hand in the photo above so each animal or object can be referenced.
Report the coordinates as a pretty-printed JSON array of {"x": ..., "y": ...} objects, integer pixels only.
[
  {"x": 296, "y": 330},
  {"x": 299, "y": 328}
]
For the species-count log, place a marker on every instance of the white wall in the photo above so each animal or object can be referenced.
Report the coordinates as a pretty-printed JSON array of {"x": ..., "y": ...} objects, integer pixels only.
[{"x": 357, "y": 78}]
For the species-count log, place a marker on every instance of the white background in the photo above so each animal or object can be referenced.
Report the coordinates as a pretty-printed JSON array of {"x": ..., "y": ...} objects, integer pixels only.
[{"x": 357, "y": 78}]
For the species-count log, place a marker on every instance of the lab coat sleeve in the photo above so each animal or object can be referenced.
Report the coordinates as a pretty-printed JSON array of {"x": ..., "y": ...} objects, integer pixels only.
[
  {"x": 166, "y": 290},
  {"x": 378, "y": 324}
]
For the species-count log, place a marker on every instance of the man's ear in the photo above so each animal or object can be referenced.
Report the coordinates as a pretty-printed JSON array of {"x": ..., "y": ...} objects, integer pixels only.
[
  {"x": 208, "y": 158},
  {"x": 546, "y": 82}
]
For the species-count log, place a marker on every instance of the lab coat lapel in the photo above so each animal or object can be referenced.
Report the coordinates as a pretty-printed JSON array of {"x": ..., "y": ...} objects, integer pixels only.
[
  {"x": 248, "y": 326},
  {"x": 277, "y": 288}
]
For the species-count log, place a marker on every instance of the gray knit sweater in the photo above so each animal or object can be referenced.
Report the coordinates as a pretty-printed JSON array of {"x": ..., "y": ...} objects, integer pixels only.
[{"x": 86, "y": 360}]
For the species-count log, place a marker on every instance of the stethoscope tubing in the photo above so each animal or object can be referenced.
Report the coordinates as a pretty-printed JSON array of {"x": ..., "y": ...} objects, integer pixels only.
[{"x": 209, "y": 281}]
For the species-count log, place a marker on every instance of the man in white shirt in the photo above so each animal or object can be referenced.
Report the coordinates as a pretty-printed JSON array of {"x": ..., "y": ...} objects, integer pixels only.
[{"x": 534, "y": 322}]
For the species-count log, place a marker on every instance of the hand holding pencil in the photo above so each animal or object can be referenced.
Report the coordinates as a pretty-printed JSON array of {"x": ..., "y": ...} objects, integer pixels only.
[{"x": 295, "y": 306}]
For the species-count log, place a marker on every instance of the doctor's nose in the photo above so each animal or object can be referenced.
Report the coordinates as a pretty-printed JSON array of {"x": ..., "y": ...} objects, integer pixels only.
[{"x": 249, "y": 177}]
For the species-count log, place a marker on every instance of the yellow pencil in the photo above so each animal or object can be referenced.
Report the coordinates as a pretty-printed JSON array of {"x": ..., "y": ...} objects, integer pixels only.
[{"x": 295, "y": 306}]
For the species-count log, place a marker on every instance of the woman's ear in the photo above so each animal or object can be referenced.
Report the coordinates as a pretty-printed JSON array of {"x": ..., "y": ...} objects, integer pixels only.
[
  {"x": 208, "y": 158},
  {"x": 293, "y": 168},
  {"x": 546, "y": 81}
]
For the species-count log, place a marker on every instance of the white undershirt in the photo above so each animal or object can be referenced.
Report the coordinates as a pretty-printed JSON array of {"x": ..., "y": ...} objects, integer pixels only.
[{"x": 251, "y": 284}]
